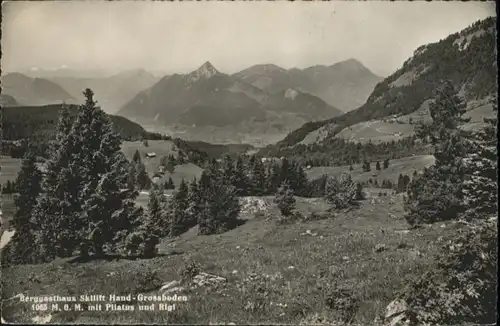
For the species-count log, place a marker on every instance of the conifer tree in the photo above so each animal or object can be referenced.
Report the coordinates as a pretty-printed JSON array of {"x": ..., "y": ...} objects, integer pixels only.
[
  {"x": 180, "y": 220},
  {"x": 342, "y": 192},
  {"x": 137, "y": 157},
  {"x": 194, "y": 202},
  {"x": 438, "y": 193},
  {"x": 85, "y": 202},
  {"x": 170, "y": 184},
  {"x": 241, "y": 182},
  {"x": 22, "y": 247},
  {"x": 284, "y": 199},
  {"x": 377, "y": 166},
  {"x": 219, "y": 207},
  {"x": 386, "y": 163},
  {"x": 143, "y": 180},
  {"x": 258, "y": 177},
  {"x": 481, "y": 186},
  {"x": 156, "y": 210}
]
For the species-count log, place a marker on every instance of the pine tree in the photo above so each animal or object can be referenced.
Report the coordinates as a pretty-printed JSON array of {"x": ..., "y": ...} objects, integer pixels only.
[
  {"x": 480, "y": 186},
  {"x": 132, "y": 176},
  {"x": 258, "y": 178},
  {"x": 300, "y": 186},
  {"x": 194, "y": 202},
  {"x": 284, "y": 199},
  {"x": 229, "y": 170},
  {"x": 170, "y": 184},
  {"x": 137, "y": 157},
  {"x": 386, "y": 163},
  {"x": 401, "y": 183},
  {"x": 170, "y": 167},
  {"x": 219, "y": 205},
  {"x": 241, "y": 182},
  {"x": 143, "y": 180},
  {"x": 22, "y": 247},
  {"x": 438, "y": 193},
  {"x": 156, "y": 211},
  {"x": 350, "y": 167},
  {"x": 85, "y": 202},
  {"x": 180, "y": 219},
  {"x": 342, "y": 192},
  {"x": 377, "y": 166}
]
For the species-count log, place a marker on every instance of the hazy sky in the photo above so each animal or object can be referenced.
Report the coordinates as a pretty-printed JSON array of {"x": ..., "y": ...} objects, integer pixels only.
[{"x": 180, "y": 36}]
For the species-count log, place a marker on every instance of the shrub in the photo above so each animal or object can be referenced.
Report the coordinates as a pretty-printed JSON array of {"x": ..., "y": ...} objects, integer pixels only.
[{"x": 461, "y": 286}]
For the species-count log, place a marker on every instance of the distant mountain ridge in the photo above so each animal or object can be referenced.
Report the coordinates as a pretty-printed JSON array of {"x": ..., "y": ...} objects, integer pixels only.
[
  {"x": 466, "y": 58},
  {"x": 111, "y": 92},
  {"x": 209, "y": 97},
  {"x": 345, "y": 85},
  {"x": 34, "y": 91}
]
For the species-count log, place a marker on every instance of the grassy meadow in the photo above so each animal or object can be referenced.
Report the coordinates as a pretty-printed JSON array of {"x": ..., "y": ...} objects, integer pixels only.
[{"x": 275, "y": 273}]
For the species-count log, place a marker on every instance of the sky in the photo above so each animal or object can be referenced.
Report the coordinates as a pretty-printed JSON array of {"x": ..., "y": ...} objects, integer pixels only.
[{"x": 177, "y": 37}]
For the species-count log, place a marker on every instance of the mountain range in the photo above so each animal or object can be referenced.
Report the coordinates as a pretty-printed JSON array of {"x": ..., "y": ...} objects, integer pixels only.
[
  {"x": 207, "y": 97},
  {"x": 112, "y": 92},
  {"x": 345, "y": 85},
  {"x": 25, "y": 90},
  {"x": 466, "y": 58}
]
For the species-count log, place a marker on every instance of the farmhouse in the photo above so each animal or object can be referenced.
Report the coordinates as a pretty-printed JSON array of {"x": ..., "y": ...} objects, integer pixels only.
[{"x": 152, "y": 154}]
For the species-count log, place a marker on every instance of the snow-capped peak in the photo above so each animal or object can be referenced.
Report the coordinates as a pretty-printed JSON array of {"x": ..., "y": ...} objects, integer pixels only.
[{"x": 207, "y": 70}]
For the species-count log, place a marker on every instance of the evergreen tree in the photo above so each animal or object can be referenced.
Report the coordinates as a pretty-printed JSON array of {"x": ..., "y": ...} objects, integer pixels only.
[
  {"x": 132, "y": 176},
  {"x": 137, "y": 157},
  {"x": 438, "y": 193},
  {"x": 169, "y": 184},
  {"x": 401, "y": 184},
  {"x": 219, "y": 207},
  {"x": 143, "y": 180},
  {"x": 229, "y": 170},
  {"x": 258, "y": 177},
  {"x": 156, "y": 211},
  {"x": 386, "y": 163},
  {"x": 241, "y": 180},
  {"x": 170, "y": 167},
  {"x": 194, "y": 202},
  {"x": 284, "y": 199},
  {"x": 22, "y": 247},
  {"x": 180, "y": 218},
  {"x": 377, "y": 166},
  {"x": 84, "y": 201},
  {"x": 300, "y": 181},
  {"x": 341, "y": 193},
  {"x": 350, "y": 167},
  {"x": 481, "y": 186}
]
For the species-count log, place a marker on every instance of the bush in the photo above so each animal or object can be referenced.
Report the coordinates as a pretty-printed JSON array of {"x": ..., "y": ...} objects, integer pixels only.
[
  {"x": 284, "y": 199},
  {"x": 189, "y": 270},
  {"x": 461, "y": 286}
]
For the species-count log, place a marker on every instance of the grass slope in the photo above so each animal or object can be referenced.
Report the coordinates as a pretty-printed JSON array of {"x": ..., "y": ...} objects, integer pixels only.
[
  {"x": 404, "y": 165},
  {"x": 295, "y": 271}
]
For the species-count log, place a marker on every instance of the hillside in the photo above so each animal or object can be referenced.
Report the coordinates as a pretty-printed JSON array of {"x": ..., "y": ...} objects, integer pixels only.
[
  {"x": 467, "y": 58},
  {"x": 345, "y": 85},
  {"x": 207, "y": 98},
  {"x": 7, "y": 100},
  {"x": 39, "y": 122},
  {"x": 112, "y": 92},
  {"x": 34, "y": 91},
  {"x": 271, "y": 273}
]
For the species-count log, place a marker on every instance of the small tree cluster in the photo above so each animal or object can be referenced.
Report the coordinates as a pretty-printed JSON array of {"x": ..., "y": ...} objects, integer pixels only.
[
  {"x": 366, "y": 166},
  {"x": 343, "y": 192},
  {"x": 137, "y": 176},
  {"x": 284, "y": 199}
]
